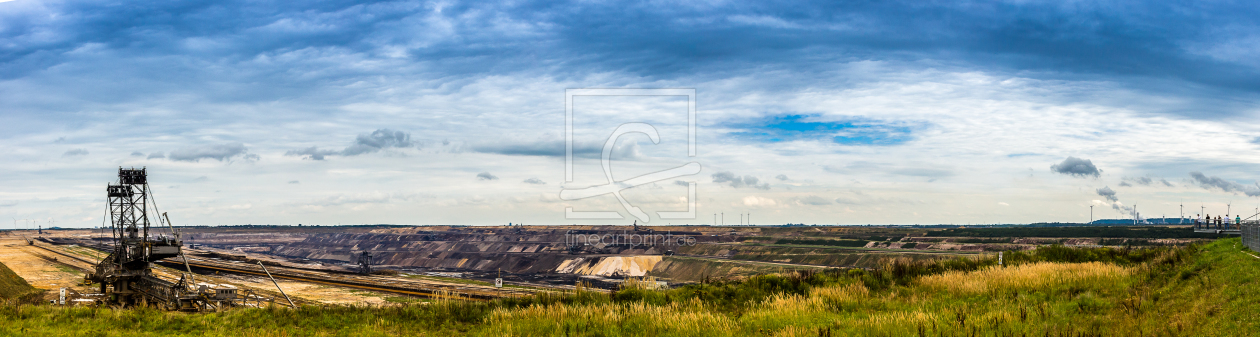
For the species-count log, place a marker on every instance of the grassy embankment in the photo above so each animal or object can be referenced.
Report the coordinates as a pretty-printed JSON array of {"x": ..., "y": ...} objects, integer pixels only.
[
  {"x": 1201, "y": 290},
  {"x": 14, "y": 290}
]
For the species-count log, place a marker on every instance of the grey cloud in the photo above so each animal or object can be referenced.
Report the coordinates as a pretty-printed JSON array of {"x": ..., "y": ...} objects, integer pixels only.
[
  {"x": 1125, "y": 184},
  {"x": 682, "y": 183},
  {"x": 556, "y": 148},
  {"x": 158, "y": 155},
  {"x": 294, "y": 182},
  {"x": 1037, "y": 38},
  {"x": 1107, "y": 192},
  {"x": 313, "y": 153},
  {"x": 1110, "y": 195},
  {"x": 1228, "y": 186},
  {"x": 137, "y": 154},
  {"x": 75, "y": 152},
  {"x": 486, "y": 176},
  {"x": 814, "y": 200},
  {"x": 1076, "y": 167},
  {"x": 781, "y": 177},
  {"x": 1116, "y": 205},
  {"x": 847, "y": 201},
  {"x": 377, "y": 140},
  {"x": 737, "y": 181},
  {"x": 534, "y": 181},
  {"x": 1144, "y": 181},
  {"x": 220, "y": 152},
  {"x": 363, "y": 143}
]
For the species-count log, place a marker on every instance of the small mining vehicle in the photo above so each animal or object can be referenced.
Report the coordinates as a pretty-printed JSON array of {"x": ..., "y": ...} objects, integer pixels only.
[{"x": 126, "y": 275}]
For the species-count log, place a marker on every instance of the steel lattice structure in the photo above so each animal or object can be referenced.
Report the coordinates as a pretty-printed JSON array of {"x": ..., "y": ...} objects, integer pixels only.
[{"x": 126, "y": 274}]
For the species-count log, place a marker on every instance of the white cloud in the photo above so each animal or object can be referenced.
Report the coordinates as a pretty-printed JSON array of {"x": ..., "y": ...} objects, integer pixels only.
[{"x": 758, "y": 201}]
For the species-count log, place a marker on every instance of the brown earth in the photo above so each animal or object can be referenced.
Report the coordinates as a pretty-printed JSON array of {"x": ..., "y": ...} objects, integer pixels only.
[
  {"x": 38, "y": 269},
  {"x": 36, "y": 266}
]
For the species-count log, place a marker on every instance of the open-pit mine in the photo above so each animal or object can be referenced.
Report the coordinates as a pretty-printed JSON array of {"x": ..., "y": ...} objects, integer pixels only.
[
  {"x": 325, "y": 264},
  {"x": 141, "y": 259}
]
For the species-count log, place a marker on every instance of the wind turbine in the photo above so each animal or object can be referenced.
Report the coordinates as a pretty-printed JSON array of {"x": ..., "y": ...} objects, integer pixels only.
[{"x": 1181, "y": 215}]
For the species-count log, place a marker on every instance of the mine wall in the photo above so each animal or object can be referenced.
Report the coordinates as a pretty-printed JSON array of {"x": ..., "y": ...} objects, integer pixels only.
[{"x": 567, "y": 250}]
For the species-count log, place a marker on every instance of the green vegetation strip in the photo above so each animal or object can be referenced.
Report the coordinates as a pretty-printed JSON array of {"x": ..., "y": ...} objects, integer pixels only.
[{"x": 1052, "y": 291}]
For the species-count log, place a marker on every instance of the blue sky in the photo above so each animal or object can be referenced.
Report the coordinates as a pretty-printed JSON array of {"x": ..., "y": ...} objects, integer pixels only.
[{"x": 810, "y": 112}]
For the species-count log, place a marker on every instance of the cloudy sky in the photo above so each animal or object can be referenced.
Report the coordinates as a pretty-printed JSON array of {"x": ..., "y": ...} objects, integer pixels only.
[{"x": 454, "y": 113}]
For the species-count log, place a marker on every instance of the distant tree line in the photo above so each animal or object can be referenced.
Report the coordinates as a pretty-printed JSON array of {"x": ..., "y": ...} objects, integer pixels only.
[{"x": 1146, "y": 232}]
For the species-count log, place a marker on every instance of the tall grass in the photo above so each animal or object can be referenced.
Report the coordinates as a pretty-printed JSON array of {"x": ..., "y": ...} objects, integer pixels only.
[
  {"x": 691, "y": 318},
  {"x": 1039, "y": 276}
]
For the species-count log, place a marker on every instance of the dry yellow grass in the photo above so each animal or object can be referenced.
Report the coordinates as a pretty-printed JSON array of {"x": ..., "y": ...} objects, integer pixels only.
[
  {"x": 845, "y": 293},
  {"x": 1034, "y": 276},
  {"x": 675, "y": 318},
  {"x": 642, "y": 283}
]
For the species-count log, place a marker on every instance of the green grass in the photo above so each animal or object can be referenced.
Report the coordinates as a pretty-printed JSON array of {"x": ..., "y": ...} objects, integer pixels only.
[
  {"x": 67, "y": 269},
  {"x": 407, "y": 299},
  {"x": 1208, "y": 290}
]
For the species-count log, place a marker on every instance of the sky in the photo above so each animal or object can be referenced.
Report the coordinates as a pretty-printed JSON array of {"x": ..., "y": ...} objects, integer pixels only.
[{"x": 459, "y": 113}]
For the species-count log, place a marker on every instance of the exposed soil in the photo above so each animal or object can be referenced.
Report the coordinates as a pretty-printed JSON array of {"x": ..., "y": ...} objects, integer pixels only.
[{"x": 37, "y": 268}]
